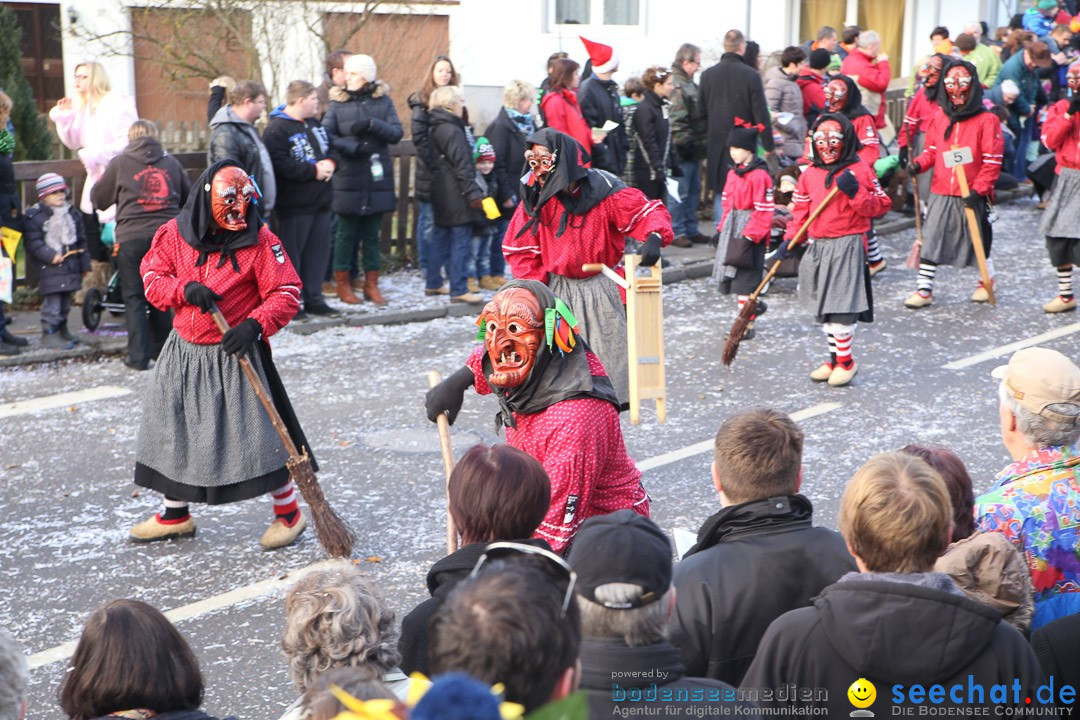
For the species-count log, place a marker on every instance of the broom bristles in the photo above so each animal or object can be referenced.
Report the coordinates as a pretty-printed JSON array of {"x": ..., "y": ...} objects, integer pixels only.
[
  {"x": 738, "y": 329},
  {"x": 912, "y": 262},
  {"x": 330, "y": 530}
]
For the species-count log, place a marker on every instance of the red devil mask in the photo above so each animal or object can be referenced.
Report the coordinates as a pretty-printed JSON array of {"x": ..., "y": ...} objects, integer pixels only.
[
  {"x": 230, "y": 195},
  {"x": 958, "y": 85},
  {"x": 514, "y": 333},
  {"x": 932, "y": 71},
  {"x": 835, "y": 95},
  {"x": 829, "y": 141},
  {"x": 541, "y": 162},
  {"x": 1073, "y": 77}
]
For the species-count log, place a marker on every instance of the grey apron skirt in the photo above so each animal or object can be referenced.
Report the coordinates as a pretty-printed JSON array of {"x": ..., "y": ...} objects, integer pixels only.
[
  {"x": 1061, "y": 219},
  {"x": 946, "y": 238},
  {"x": 728, "y": 279},
  {"x": 834, "y": 281},
  {"x": 205, "y": 436},
  {"x": 598, "y": 306}
]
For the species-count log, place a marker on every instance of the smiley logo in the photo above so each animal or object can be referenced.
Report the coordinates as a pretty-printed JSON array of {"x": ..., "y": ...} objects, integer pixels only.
[{"x": 862, "y": 694}]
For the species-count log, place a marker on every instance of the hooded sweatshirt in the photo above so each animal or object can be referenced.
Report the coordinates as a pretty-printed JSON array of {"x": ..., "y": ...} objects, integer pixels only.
[
  {"x": 294, "y": 147},
  {"x": 148, "y": 186},
  {"x": 897, "y": 631}
]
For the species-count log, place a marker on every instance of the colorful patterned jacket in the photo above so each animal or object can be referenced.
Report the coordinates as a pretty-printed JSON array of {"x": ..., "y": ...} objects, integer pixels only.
[{"x": 1035, "y": 504}]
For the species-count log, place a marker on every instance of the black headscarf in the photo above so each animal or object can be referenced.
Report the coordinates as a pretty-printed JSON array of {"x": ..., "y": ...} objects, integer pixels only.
[
  {"x": 196, "y": 222},
  {"x": 851, "y": 146},
  {"x": 592, "y": 185},
  {"x": 853, "y": 107},
  {"x": 931, "y": 93},
  {"x": 555, "y": 377},
  {"x": 974, "y": 104}
]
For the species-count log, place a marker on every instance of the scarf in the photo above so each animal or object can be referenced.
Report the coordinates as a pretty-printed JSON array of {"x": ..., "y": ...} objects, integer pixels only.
[
  {"x": 59, "y": 229},
  {"x": 754, "y": 164},
  {"x": 557, "y": 375},
  {"x": 851, "y": 146},
  {"x": 524, "y": 122},
  {"x": 590, "y": 187},
  {"x": 196, "y": 222},
  {"x": 7, "y": 142},
  {"x": 974, "y": 104}
]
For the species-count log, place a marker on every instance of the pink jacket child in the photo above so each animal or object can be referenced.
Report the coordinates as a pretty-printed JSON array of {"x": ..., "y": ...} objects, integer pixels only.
[{"x": 98, "y": 135}]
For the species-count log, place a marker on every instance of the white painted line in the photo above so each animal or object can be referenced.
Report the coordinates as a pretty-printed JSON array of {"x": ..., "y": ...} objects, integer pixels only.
[
  {"x": 1012, "y": 347},
  {"x": 51, "y": 402},
  {"x": 200, "y": 607},
  {"x": 706, "y": 445}
]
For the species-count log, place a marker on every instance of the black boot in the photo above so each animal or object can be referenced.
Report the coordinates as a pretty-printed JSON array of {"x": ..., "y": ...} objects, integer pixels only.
[
  {"x": 9, "y": 339},
  {"x": 7, "y": 349},
  {"x": 52, "y": 339},
  {"x": 62, "y": 328}
]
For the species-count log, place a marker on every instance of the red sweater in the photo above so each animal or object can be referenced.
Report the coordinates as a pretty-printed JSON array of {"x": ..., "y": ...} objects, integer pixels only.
[
  {"x": 267, "y": 287},
  {"x": 580, "y": 444},
  {"x": 562, "y": 112},
  {"x": 981, "y": 133},
  {"x": 844, "y": 215},
  {"x": 920, "y": 113},
  {"x": 1061, "y": 133},
  {"x": 874, "y": 76},
  {"x": 752, "y": 191},
  {"x": 597, "y": 237}
]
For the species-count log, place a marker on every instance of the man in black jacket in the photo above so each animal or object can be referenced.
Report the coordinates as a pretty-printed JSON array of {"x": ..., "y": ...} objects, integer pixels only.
[
  {"x": 148, "y": 187},
  {"x": 623, "y": 566},
  {"x": 759, "y": 556},
  {"x": 599, "y": 100},
  {"x": 233, "y": 135},
  {"x": 897, "y": 635},
  {"x": 731, "y": 89},
  {"x": 300, "y": 151}
]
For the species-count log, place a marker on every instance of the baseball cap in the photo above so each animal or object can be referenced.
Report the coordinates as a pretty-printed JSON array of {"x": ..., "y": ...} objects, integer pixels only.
[
  {"x": 1037, "y": 377},
  {"x": 622, "y": 547}
]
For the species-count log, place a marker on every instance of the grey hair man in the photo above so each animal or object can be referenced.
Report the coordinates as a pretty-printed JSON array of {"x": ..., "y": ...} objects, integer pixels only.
[
  {"x": 14, "y": 676},
  {"x": 623, "y": 566},
  {"x": 1035, "y": 500}
]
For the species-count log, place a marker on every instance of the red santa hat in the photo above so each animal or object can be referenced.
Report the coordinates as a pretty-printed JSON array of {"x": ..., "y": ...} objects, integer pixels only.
[{"x": 603, "y": 57}]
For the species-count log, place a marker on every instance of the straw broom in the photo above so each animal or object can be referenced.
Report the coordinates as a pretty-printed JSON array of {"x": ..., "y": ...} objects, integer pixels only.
[
  {"x": 913, "y": 259},
  {"x": 434, "y": 378},
  {"x": 738, "y": 328},
  {"x": 332, "y": 532}
]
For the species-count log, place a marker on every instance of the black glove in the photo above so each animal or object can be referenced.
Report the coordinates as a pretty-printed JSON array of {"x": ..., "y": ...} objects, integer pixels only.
[
  {"x": 714, "y": 240},
  {"x": 972, "y": 200},
  {"x": 912, "y": 169},
  {"x": 848, "y": 183},
  {"x": 200, "y": 296},
  {"x": 447, "y": 396},
  {"x": 650, "y": 251},
  {"x": 903, "y": 155},
  {"x": 239, "y": 340},
  {"x": 1074, "y": 104},
  {"x": 362, "y": 123}
]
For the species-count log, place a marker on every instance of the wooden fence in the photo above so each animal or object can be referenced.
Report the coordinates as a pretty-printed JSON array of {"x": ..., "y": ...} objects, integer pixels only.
[{"x": 398, "y": 230}]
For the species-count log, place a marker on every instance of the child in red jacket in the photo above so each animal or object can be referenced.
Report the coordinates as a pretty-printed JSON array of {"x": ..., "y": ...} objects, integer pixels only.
[
  {"x": 743, "y": 229},
  {"x": 1061, "y": 220},
  {"x": 834, "y": 278},
  {"x": 964, "y": 123}
]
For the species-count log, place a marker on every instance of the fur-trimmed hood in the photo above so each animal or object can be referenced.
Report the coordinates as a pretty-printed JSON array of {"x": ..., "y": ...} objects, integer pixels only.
[{"x": 338, "y": 94}]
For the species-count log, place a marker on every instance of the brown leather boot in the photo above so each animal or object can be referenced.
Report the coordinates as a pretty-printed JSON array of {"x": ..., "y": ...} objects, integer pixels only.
[
  {"x": 344, "y": 289},
  {"x": 371, "y": 287}
]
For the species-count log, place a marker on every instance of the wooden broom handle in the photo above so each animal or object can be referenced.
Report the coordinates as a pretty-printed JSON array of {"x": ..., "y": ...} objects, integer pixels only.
[
  {"x": 260, "y": 390},
  {"x": 796, "y": 240},
  {"x": 443, "y": 423}
]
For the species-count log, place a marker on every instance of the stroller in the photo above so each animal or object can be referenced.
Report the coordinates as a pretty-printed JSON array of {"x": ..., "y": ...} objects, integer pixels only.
[{"x": 95, "y": 302}]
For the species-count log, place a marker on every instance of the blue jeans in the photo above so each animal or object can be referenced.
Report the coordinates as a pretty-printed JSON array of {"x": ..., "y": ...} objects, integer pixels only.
[
  {"x": 684, "y": 214},
  {"x": 425, "y": 224},
  {"x": 498, "y": 260},
  {"x": 1020, "y": 161},
  {"x": 717, "y": 208},
  {"x": 453, "y": 243},
  {"x": 480, "y": 255}
]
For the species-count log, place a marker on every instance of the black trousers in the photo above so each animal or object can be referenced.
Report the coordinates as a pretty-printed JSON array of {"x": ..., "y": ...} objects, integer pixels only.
[
  {"x": 307, "y": 243},
  {"x": 147, "y": 326},
  {"x": 94, "y": 246}
]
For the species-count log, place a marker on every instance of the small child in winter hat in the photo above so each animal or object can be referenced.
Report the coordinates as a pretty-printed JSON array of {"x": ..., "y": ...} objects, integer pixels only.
[
  {"x": 49, "y": 183},
  {"x": 483, "y": 151}
]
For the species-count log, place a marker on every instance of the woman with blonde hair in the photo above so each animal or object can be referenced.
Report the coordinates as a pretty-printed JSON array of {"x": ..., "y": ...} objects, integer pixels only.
[{"x": 94, "y": 123}]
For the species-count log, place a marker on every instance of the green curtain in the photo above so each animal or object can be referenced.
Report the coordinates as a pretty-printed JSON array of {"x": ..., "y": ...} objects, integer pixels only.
[
  {"x": 887, "y": 18},
  {"x": 816, "y": 13}
]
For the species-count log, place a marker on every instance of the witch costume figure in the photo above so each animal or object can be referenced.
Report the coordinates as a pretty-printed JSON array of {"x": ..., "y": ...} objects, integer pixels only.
[
  {"x": 557, "y": 404},
  {"x": 965, "y": 123},
  {"x": 834, "y": 279},
  {"x": 570, "y": 215},
  {"x": 205, "y": 437},
  {"x": 1061, "y": 220}
]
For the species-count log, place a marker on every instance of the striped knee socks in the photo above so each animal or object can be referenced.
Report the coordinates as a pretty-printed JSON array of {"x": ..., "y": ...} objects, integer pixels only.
[
  {"x": 1064, "y": 278},
  {"x": 285, "y": 505}
]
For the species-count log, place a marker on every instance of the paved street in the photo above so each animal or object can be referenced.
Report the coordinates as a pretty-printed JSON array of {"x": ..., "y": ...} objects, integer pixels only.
[{"x": 68, "y": 499}]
